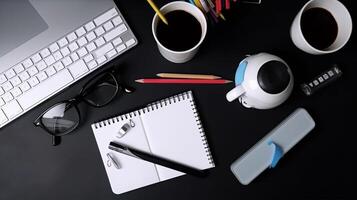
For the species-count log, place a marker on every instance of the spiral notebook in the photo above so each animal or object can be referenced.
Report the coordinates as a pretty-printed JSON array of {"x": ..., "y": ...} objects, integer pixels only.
[{"x": 169, "y": 128}]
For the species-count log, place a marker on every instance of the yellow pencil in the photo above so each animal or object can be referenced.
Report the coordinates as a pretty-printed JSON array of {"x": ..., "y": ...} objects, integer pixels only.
[
  {"x": 158, "y": 12},
  {"x": 187, "y": 76}
]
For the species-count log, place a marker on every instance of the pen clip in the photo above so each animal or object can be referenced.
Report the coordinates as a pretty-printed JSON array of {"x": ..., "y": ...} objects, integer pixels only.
[{"x": 121, "y": 149}]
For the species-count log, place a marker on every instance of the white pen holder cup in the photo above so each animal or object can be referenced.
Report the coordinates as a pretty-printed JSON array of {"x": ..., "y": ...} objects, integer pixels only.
[
  {"x": 180, "y": 56},
  {"x": 343, "y": 20}
]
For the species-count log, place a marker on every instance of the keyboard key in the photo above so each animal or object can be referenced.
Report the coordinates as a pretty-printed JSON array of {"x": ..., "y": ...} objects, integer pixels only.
[
  {"x": 91, "y": 46},
  {"x": 50, "y": 60},
  {"x": 62, "y": 42},
  {"x": 58, "y": 66},
  {"x": 88, "y": 58},
  {"x": 12, "y": 109},
  {"x": 99, "y": 31},
  {"x": 117, "y": 20},
  {"x": 27, "y": 63},
  {"x": 50, "y": 71},
  {"x": 24, "y": 87},
  {"x": 2, "y": 78},
  {"x": 49, "y": 86},
  {"x": 73, "y": 46},
  {"x": 54, "y": 47},
  {"x": 7, "y": 97},
  {"x": 101, "y": 60},
  {"x": 90, "y": 26},
  {"x": 105, "y": 17},
  {"x": 35, "y": 58},
  {"x": 121, "y": 48},
  {"x": 16, "y": 92},
  {"x": 67, "y": 61},
  {"x": 10, "y": 73},
  {"x": 57, "y": 55},
  {"x": 65, "y": 51},
  {"x": 130, "y": 42},
  {"x": 19, "y": 68},
  {"x": 81, "y": 31},
  {"x": 99, "y": 42},
  {"x": 103, "y": 50},
  {"x": 78, "y": 68},
  {"x": 71, "y": 37},
  {"x": 113, "y": 34},
  {"x": 15, "y": 81},
  {"x": 122, "y": 28},
  {"x": 32, "y": 71},
  {"x": 74, "y": 56},
  {"x": 82, "y": 52},
  {"x": 7, "y": 86},
  {"x": 45, "y": 52},
  {"x": 24, "y": 76},
  {"x": 108, "y": 26},
  {"x": 42, "y": 76},
  {"x": 3, "y": 117},
  {"x": 33, "y": 81},
  {"x": 92, "y": 64},
  {"x": 111, "y": 53},
  {"x": 41, "y": 65},
  {"x": 91, "y": 36},
  {"x": 117, "y": 41},
  {"x": 82, "y": 41}
]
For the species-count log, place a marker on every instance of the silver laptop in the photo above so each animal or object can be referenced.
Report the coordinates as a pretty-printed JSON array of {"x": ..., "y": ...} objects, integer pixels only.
[{"x": 47, "y": 45}]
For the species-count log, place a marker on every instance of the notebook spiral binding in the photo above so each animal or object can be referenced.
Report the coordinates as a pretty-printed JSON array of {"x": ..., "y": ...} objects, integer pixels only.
[
  {"x": 201, "y": 130},
  {"x": 157, "y": 105}
]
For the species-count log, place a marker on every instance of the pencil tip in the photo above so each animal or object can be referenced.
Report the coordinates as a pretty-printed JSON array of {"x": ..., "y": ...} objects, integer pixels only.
[
  {"x": 139, "y": 81},
  {"x": 229, "y": 81}
]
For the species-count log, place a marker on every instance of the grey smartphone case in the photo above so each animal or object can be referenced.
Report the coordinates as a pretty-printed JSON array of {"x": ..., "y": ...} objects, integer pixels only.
[{"x": 267, "y": 152}]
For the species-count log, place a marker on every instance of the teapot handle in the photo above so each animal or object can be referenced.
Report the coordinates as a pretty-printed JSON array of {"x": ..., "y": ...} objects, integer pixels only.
[{"x": 235, "y": 93}]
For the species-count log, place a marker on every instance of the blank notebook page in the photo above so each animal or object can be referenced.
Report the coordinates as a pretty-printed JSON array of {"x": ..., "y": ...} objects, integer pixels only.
[{"x": 174, "y": 131}]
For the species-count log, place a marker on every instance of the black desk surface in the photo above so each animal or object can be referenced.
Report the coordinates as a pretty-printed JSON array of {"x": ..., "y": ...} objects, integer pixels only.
[{"x": 319, "y": 167}]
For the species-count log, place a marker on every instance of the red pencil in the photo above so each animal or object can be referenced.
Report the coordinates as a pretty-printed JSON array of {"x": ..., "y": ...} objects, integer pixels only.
[
  {"x": 228, "y": 4},
  {"x": 182, "y": 81},
  {"x": 218, "y": 6}
]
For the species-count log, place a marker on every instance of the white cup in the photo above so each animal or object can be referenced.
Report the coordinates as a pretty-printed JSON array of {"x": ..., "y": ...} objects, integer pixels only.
[
  {"x": 180, "y": 56},
  {"x": 344, "y": 24}
]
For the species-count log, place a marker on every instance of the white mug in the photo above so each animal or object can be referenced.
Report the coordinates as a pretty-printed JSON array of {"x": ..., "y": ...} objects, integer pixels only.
[
  {"x": 180, "y": 56},
  {"x": 344, "y": 24}
]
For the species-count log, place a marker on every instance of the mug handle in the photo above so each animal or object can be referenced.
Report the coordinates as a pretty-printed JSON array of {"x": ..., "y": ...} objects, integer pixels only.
[{"x": 235, "y": 93}]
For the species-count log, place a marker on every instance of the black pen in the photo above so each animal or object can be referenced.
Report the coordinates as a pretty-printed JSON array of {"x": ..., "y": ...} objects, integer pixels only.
[{"x": 154, "y": 159}]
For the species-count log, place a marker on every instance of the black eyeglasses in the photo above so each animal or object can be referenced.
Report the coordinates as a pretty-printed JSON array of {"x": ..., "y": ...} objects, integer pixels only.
[{"x": 64, "y": 117}]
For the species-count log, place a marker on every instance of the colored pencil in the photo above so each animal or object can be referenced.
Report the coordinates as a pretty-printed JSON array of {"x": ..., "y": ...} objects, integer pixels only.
[
  {"x": 218, "y": 6},
  {"x": 158, "y": 12},
  {"x": 182, "y": 81},
  {"x": 228, "y": 4},
  {"x": 187, "y": 76}
]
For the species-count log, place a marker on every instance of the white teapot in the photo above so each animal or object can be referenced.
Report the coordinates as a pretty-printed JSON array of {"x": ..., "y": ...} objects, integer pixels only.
[{"x": 263, "y": 81}]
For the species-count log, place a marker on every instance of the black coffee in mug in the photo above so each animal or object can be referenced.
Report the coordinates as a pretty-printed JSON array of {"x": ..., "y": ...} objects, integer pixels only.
[
  {"x": 182, "y": 32},
  {"x": 319, "y": 27}
]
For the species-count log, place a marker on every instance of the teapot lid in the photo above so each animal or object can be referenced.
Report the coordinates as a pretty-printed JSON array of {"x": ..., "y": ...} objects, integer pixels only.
[{"x": 273, "y": 77}]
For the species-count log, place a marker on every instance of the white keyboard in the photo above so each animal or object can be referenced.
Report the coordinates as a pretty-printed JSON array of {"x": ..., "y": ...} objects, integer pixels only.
[{"x": 62, "y": 63}]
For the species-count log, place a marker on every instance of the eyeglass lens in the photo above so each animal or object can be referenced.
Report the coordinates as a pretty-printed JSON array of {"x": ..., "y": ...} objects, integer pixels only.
[
  {"x": 101, "y": 90},
  {"x": 60, "y": 119}
]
